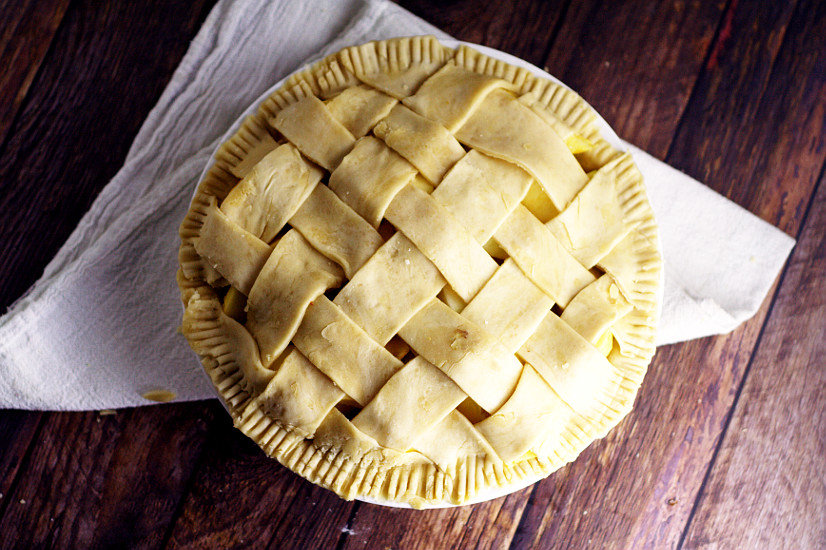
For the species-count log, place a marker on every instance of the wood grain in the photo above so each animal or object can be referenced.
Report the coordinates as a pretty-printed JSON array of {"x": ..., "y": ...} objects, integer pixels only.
[
  {"x": 17, "y": 432},
  {"x": 753, "y": 130},
  {"x": 104, "y": 479},
  {"x": 520, "y": 27},
  {"x": 487, "y": 525},
  {"x": 27, "y": 31},
  {"x": 766, "y": 489},
  {"x": 239, "y": 497}
]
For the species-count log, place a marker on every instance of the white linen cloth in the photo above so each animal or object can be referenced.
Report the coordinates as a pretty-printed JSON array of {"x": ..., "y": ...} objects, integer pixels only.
[{"x": 100, "y": 327}]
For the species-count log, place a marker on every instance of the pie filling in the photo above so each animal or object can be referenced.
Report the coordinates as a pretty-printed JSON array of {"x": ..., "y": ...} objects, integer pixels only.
[{"x": 420, "y": 275}]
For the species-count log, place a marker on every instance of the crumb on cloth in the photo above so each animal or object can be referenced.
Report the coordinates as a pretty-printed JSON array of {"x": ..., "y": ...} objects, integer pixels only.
[{"x": 159, "y": 396}]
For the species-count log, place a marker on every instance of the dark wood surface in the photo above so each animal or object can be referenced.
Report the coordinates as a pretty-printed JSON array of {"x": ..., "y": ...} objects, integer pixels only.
[{"x": 725, "y": 447}]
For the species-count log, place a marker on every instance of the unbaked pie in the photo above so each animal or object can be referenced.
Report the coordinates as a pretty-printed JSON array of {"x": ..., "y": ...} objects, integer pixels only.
[{"x": 419, "y": 275}]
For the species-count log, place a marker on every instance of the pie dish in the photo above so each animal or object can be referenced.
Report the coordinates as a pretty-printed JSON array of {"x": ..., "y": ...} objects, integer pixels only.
[{"x": 419, "y": 275}]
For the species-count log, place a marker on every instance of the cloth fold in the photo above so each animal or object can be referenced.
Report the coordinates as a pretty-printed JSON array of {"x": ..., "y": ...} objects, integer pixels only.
[{"x": 99, "y": 328}]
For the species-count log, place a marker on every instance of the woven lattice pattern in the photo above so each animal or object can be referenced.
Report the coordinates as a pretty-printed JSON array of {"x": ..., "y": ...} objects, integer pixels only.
[{"x": 404, "y": 282}]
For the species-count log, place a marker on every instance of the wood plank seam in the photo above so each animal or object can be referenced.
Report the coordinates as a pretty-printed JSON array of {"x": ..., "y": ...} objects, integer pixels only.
[
  {"x": 555, "y": 31},
  {"x": 709, "y": 52},
  {"x": 499, "y": 514},
  {"x": 179, "y": 507},
  {"x": 24, "y": 461},
  {"x": 345, "y": 532},
  {"x": 712, "y": 51},
  {"x": 520, "y": 526},
  {"x": 33, "y": 80},
  {"x": 700, "y": 492}
]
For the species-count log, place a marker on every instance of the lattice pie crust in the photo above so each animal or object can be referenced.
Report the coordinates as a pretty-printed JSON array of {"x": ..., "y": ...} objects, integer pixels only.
[{"x": 418, "y": 273}]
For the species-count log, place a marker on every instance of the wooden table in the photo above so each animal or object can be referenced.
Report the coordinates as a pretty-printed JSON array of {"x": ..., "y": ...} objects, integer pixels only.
[{"x": 726, "y": 445}]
